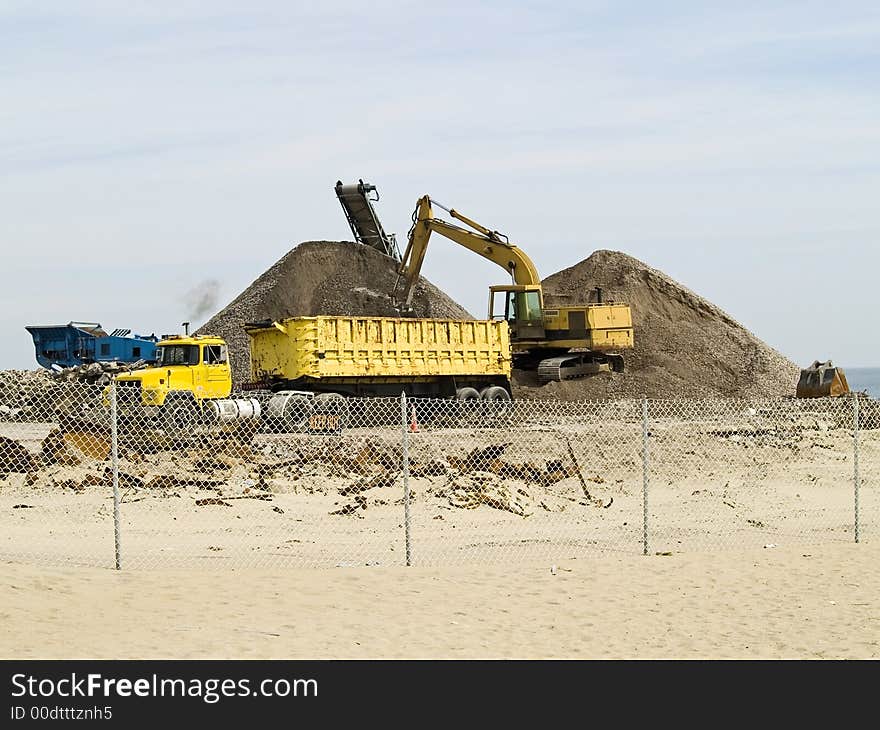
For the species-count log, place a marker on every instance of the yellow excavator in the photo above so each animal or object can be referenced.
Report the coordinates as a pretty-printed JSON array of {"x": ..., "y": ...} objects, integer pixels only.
[{"x": 560, "y": 343}]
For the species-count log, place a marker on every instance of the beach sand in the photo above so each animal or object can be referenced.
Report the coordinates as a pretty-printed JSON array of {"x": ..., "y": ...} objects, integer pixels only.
[{"x": 803, "y": 603}]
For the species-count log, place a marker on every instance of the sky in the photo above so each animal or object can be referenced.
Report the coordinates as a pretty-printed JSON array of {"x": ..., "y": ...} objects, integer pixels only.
[{"x": 148, "y": 149}]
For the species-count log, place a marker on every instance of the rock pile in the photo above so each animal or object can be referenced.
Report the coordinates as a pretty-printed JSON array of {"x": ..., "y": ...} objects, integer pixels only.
[
  {"x": 99, "y": 373},
  {"x": 685, "y": 346},
  {"x": 20, "y": 390},
  {"x": 321, "y": 278}
]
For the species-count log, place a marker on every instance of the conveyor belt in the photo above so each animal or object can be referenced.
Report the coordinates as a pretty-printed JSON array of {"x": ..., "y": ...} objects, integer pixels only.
[{"x": 362, "y": 218}]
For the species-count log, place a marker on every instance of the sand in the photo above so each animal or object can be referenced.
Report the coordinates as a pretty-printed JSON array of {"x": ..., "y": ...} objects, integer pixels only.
[
  {"x": 766, "y": 603},
  {"x": 541, "y": 483},
  {"x": 229, "y": 549}
]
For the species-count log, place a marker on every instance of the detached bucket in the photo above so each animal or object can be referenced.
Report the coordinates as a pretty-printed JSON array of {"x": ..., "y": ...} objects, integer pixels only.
[{"x": 821, "y": 380}]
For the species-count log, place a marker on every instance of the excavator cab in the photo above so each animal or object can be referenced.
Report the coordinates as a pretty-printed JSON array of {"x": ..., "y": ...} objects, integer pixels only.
[{"x": 521, "y": 306}]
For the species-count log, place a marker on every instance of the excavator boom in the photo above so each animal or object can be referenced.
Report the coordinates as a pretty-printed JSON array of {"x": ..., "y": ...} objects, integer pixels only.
[
  {"x": 559, "y": 343},
  {"x": 481, "y": 240}
]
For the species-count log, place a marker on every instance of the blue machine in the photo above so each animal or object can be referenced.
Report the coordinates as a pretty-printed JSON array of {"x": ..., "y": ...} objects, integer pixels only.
[{"x": 76, "y": 343}]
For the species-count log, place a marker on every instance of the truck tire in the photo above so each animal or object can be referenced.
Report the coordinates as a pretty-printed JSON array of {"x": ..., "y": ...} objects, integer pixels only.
[
  {"x": 465, "y": 394},
  {"x": 467, "y": 406},
  {"x": 494, "y": 393},
  {"x": 288, "y": 412},
  {"x": 179, "y": 415},
  {"x": 333, "y": 404},
  {"x": 496, "y": 401}
]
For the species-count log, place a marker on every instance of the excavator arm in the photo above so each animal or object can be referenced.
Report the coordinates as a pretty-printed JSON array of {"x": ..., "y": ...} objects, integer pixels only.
[
  {"x": 561, "y": 343},
  {"x": 487, "y": 243}
]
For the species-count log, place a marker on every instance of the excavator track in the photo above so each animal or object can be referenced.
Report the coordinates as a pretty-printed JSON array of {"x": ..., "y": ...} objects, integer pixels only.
[{"x": 568, "y": 367}]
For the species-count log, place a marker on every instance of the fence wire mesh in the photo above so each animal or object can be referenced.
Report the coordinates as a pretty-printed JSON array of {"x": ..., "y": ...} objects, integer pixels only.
[{"x": 329, "y": 481}]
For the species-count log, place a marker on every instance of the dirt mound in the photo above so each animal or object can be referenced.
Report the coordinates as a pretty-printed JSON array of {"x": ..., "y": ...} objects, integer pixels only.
[
  {"x": 321, "y": 277},
  {"x": 685, "y": 346}
]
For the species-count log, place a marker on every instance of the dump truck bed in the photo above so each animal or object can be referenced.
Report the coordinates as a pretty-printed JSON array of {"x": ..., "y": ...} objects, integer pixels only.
[{"x": 317, "y": 348}]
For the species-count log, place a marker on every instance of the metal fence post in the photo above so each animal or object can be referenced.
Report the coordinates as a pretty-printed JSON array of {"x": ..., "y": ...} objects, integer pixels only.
[
  {"x": 114, "y": 466},
  {"x": 644, "y": 475},
  {"x": 405, "y": 471},
  {"x": 856, "y": 463}
]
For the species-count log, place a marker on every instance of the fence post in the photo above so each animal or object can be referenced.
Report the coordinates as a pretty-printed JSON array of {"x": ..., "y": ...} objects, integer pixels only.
[
  {"x": 114, "y": 466},
  {"x": 644, "y": 475},
  {"x": 404, "y": 426},
  {"x": 856, "y": 463}
]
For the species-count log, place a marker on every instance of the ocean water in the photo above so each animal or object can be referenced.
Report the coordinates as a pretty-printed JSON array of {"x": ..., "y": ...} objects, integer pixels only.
[{"x": 864, "y": 379}]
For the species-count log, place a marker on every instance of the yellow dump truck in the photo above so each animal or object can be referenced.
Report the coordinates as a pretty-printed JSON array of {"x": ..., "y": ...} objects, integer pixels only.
[
  {"x": 382, "y": 356},
  {"x": 311, "y": 364},
  {"x": 307, "y": 366}
]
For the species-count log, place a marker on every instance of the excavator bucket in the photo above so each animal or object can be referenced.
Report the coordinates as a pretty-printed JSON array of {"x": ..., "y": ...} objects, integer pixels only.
[{"x": 821, "y": 380}]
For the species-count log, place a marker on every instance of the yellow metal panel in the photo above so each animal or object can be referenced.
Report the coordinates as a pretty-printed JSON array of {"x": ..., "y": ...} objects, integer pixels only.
[
  {"x": 609, "y": 316},
  {"x": 345, "y": 347}
]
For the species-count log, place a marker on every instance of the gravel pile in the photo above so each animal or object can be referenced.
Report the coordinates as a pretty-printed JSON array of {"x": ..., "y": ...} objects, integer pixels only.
[
  {"x": 321, "y": 278},
  {"x": 20, "y": 389},
  {"x": 685, "y": 346}
]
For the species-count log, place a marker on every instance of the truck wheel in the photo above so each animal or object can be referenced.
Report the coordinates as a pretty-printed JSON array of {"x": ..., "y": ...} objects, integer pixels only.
[
  {"x": 180, "y": 414},
  {"x": 467, "y": 394},
  {"x": 288, "y": 412},
  {"x": 494, "y": 393},
  {"x": 467, "y": 406},
  {"x": 496, "y": 401},
  {"x": 333, "y": 404}
]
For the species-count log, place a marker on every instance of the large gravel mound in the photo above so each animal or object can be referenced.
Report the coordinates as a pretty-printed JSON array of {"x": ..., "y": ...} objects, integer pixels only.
[
  {"x": 685, "y": 346},
  {"x": 321, "y": 277}
]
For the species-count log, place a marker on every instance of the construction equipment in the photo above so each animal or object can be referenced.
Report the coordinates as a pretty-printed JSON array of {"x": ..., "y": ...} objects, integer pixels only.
[
  {"x": 188, "y": 389},
  {"x": 821, "y": 380},
  {"x": 382, "y": 356},
  {"x": 307, "y": 366},
  {"x": 77, "y": 343},
  {"x": 362, "y": 219},
  {"x": 560, "y": 343},
  {"x": 311, "y": 364}
]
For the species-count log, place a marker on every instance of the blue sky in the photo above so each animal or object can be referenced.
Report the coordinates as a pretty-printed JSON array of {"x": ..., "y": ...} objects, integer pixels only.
[{"x": 148, "y": 147}]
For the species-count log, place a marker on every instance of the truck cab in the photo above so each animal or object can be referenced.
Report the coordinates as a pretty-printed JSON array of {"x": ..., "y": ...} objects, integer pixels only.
[{"x": 197, "y": 365}]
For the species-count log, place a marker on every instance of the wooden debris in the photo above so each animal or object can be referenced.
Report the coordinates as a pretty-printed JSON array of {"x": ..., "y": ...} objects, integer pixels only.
[
  {"x": 360, "y": 503},
  {"x": 212, "y": 501},
  {"x": 15, "y": 458},
  {"x": 380, "y": 480},
  {"x": 264, "y": 497},
  {"x": 125, "y": 480},
  {"x": 580, "y": 476},
  {"x": 168, "y": 481}
]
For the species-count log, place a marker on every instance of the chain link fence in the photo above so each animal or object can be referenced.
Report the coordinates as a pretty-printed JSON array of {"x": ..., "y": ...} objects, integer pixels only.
[{"x": 90, "y": 476}]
